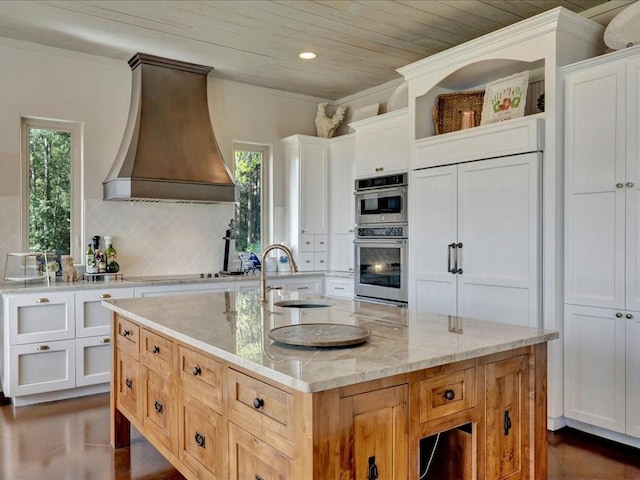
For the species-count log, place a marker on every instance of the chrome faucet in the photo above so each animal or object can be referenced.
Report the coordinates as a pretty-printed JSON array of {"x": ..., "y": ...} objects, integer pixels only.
[{"x": 263, "y": 269}]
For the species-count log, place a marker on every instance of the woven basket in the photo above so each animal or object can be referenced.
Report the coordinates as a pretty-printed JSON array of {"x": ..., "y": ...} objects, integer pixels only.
[{"x": 446, "y": 110}]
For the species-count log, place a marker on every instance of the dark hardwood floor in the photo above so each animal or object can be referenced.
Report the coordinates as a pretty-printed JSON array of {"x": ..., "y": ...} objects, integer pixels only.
[{"x": 70, "y": 440}]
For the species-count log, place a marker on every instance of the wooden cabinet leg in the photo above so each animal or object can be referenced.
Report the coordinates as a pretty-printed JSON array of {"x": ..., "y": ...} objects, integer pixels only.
[{"x": 120, "y": 429}]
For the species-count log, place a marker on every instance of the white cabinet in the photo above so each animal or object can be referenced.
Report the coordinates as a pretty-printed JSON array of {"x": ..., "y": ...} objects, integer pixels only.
[
  {"x": 39, "y": 317},
  {"x": 382, "y": 144},
  {"x": 595, "y": 366},
  {"x": 602, "y": 228},
  {"x": 93, "y": 360},
  {"x": 342, "y": 176},
  {"x": 307, "y": 167},
  {"x": 92, "y": 319},
  {"x": 311, "y": 285},
  {"x": 340, "y": 287},
  {"x": 475, "y": 239}
]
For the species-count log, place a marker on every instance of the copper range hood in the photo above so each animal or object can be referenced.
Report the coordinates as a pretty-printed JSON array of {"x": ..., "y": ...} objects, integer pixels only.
[{"x": 169, "y": 152}]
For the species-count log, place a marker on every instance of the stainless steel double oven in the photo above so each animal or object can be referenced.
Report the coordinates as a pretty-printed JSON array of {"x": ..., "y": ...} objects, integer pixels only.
[{"x": 381, "y": 239}]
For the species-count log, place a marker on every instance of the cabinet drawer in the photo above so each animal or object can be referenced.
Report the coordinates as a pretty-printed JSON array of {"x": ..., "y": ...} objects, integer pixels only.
[
  {"x": 201, "y": 376},
  {"x": 339, "y": 288},
  {"x": 260, "y": 407},
  {"x": 320, "y": 261},
  {"x": 251, "y": 458},
  {"x": 157, "y": 352},
  {"x": 127, "y": 336},
  {"x": 203, "y": 440},
  {"x": 306, "y": 262},
  {"x": 41, "y": 317},
  {"x": 41, "y": 367},
  {"x": 307, "y": 243},
  {"x": 93, "y": 360},
  {"x": 160, "y": 409},
  {"x": 447, "y": 394},
  {"x": 128, "y": 385},
  {"x": 320, "y": 243},
  {"x": 92, "y": 319}
]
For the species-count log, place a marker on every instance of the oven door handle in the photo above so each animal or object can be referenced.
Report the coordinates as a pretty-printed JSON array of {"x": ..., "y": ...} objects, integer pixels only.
[
  {"x": 378, "y": 241},
  {"x": 374, "y": 192}
]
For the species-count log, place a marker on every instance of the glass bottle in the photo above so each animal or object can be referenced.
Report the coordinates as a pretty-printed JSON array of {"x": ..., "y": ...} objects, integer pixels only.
[
  {"x": 110, "y": 255},
  {"x": 90, "y": 264}
]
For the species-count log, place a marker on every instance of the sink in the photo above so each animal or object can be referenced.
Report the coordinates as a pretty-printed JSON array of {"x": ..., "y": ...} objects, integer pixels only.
[{"x": 301, "y": 304}]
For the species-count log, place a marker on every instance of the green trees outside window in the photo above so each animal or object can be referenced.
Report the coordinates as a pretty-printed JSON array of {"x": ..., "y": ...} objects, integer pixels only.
[
  {"x": 248, "y": 179},
  {"x": 49, "y": 179}
]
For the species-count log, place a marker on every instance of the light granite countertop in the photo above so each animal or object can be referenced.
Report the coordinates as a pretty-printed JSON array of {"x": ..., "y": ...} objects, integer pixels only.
[
  {"x": 60, "y": 286},
  {"x": 235, "y": 327}
]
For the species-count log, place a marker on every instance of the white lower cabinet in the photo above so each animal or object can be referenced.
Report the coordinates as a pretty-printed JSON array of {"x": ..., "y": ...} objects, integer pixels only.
[
  {"x": 340, "y": 287},
  {"x": 93, "y": 360},
  {"x": 39, "y": 317},
  {"x": 41, "y": 367},
  {"x": 602, "y": 368},
  {"x": 307, "y": 285},
  {"x": 92, "y": 319}
]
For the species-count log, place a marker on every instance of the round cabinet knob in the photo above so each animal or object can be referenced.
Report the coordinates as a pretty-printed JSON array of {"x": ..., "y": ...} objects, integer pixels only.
[
  {"x": 619, "y": 185},
  {"x": 155, "y": 349},
  {"x": 629, "y": 315},
  {"x": 126, "y": 333},
  {"x": 618, "y": 315},
  {"x": 128, "y": 382},
  {"x": 196, "y": 370},
  {"x": 258, "y": 403},
  {"x": 449, "y": 394},
  {"x": 629, "y": 184},
  {"x": 157, "y": 406}
]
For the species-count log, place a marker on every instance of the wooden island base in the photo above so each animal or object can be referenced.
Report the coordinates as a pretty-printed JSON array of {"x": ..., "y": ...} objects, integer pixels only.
[{"x": 214, "y": 420}]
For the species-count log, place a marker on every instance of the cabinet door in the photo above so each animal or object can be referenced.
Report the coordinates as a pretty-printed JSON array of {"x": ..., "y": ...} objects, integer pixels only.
[
  {"x": 342, "y": 174},
  {"x": 499, "y": 239},
  {"x": 632, "y": 187},
  {"x": 93, "y": 360},
  {"x": 160, "y": 408},
  {"x": 341, "y": 252},
  {"x": 374, "y": 428},
  {"x": 594, "y": 366},
  {"x": 433, "y": 206},
  {"x": 250, "y": 458},
  {"x": 92, "y": 318},
  {"x": 396, "y": 145},
  {"x": 507, "y": 419},
  {"x": 595, "y": 187},
  {"x": 128, "y": 385},
  {"x": 369, "y": 152},
  {"x": 41, "y": 317},
  {"x": 203, "y": 439},
  {"x": 632, "y": 337},
  {"x": 42, "y": 367},
  {"x": 314, "y": 187}
]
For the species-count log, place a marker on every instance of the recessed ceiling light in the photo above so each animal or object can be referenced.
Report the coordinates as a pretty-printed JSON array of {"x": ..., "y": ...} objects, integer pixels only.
[{"x": 307, "y": 55}]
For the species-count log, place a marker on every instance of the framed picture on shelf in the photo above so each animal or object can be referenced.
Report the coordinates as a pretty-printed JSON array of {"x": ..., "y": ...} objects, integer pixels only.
[{"x": 505, "y": 98}]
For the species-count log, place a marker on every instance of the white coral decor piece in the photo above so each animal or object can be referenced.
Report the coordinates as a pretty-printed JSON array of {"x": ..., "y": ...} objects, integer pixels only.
[{"x": 326, "y": 126}]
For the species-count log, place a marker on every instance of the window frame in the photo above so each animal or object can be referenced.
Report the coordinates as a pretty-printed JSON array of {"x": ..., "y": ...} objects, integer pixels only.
[
  {"x": 266, "y": 174},
  {"x": 77, "y": 188}
]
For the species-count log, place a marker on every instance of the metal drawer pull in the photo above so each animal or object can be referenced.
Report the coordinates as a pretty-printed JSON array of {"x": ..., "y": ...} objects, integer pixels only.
[
  {"x": 126, "y": 333},
  {"x": 258, "y": 403},
  {"x": 105, "y": 340},
  {"x": 507, "y": 422},
  {"x": 338, "y": 288},
  {"x": 629, "y": 184},
  {"x": 105, "y": 296},
  {"x": 42, "y": 300},
  {"x": 128, "y": 382},
  {"x": 157, "y": 406},
  {"x": 618, "y": 314},
  {"x": 42, "y": 348},
  {"x": 449, "y": 394},
  {"x": 196, "y": 370},
  {"x": 629, "y": 315},
  {"x": 155, "y": 349},
  {"x": 373, "y": 469},
  {"x": 619, "y": 185},
  {"x": 302, "y": 288},
  {"x": 199, "y": 439},
  {"x": 449, "y": 247}
]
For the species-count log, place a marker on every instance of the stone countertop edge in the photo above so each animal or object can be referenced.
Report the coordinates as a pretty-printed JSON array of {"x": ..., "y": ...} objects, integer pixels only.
[
  {"x": 60, "y": 286},
  {"x": 534, "y": 336}
]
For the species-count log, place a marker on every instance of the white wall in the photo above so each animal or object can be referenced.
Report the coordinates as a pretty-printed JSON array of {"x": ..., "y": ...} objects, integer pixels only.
[{"x": 151, "y": 239}]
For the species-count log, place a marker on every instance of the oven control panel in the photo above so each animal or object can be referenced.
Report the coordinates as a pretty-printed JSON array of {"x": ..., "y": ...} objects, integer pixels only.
[{"x": 382, "y": 231}]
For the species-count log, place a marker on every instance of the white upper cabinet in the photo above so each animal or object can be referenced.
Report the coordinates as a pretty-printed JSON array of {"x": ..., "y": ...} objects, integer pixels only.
[
  {"x": 342, "y": 175},
  {"x": 602, "y": 185},
  {"x": 382, "y": 144}
]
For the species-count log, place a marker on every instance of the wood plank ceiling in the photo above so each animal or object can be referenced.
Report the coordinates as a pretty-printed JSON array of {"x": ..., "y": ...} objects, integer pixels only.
[{"x": 359, "y": 43}]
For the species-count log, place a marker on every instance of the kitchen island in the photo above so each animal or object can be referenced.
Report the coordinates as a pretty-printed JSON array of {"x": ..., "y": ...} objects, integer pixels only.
[{"x": 199, "y": 377}]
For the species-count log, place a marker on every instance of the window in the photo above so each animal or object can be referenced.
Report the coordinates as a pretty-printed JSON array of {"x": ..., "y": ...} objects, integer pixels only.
[
  {"x": 51, "y": 187},
  {"x": 250, "y": 163}
]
